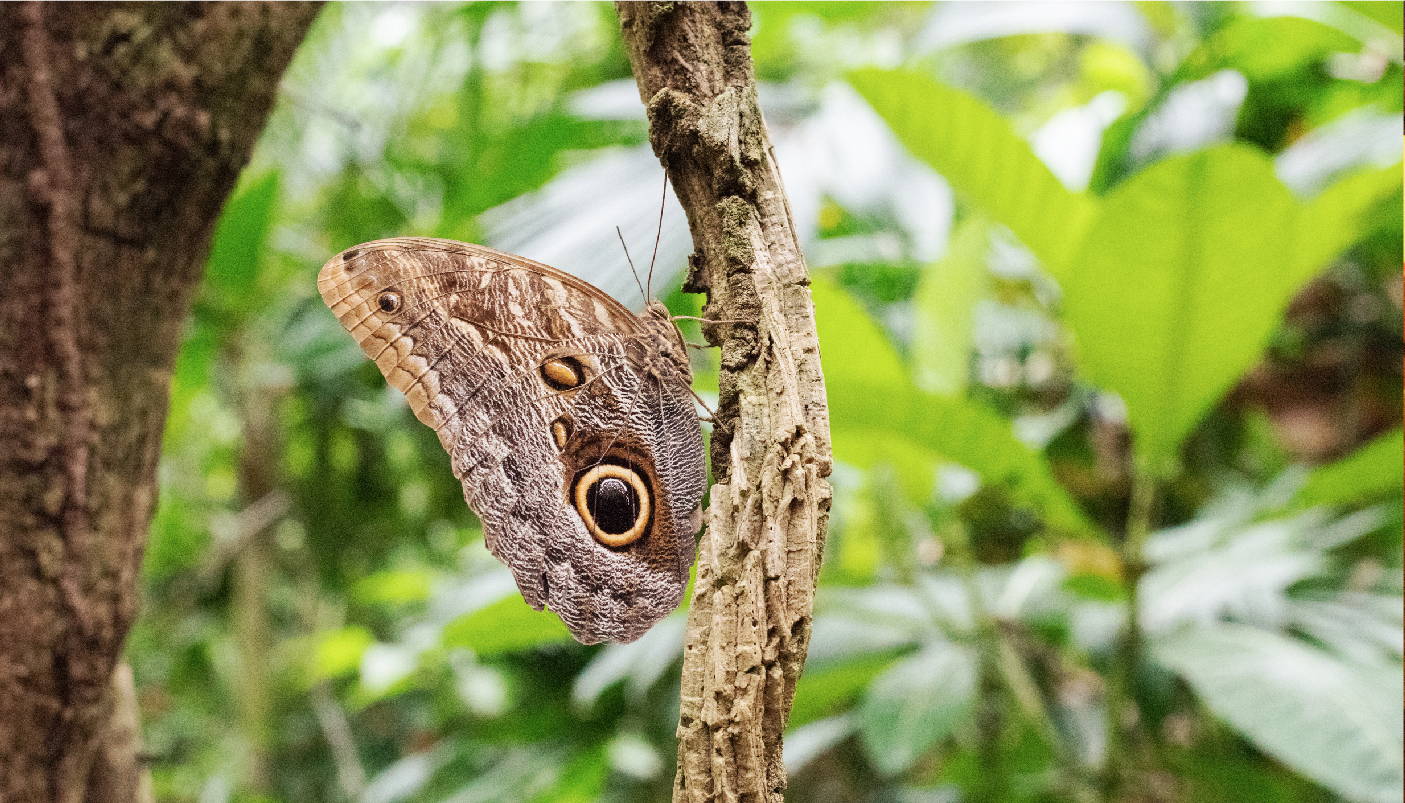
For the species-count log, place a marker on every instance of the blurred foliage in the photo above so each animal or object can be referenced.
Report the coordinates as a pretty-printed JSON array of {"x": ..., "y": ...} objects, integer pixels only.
[{"x": 1110, "y": 309}]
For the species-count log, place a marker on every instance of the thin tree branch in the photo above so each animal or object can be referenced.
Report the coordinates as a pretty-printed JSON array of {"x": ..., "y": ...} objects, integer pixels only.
[{"x": 749, "y": 625}]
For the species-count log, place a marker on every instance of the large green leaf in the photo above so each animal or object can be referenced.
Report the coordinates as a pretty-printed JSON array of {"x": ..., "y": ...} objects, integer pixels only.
[
  {"x": 1185, "y": 274},
  {"x": 853, "y": 347},
  {"x": 1336, "y": 723},
  {"x": 979, "y": 153},
  {"x": 916, "y": 703},
  {"x": 943, "y": 304},
  {"x": 872, "y": 402},
  {"x": 1373, "y": 470}
]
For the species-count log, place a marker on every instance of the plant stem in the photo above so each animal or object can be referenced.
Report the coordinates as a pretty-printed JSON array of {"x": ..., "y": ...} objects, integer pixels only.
[
  {"x": 1122, "y": 712},
  {"x": 1003, "y": 666}
]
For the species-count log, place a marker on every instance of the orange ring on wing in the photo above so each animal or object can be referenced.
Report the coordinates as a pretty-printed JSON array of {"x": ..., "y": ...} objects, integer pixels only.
[{"x": 631, "y": 478}]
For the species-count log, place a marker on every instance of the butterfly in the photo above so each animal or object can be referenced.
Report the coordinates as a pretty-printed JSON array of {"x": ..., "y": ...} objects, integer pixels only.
[{"x": 568, "y": 418}]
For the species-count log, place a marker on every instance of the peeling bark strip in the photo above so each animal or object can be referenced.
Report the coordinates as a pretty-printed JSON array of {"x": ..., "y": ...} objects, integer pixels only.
[
  {"x": 749, "y": 625},
  {"x": 122, "y": 129}
]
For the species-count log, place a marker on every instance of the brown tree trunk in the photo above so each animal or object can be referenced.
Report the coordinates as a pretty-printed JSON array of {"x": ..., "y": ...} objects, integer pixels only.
[
  {"x": 749, "y": 625},
  {"x": 122, "y": 129}
]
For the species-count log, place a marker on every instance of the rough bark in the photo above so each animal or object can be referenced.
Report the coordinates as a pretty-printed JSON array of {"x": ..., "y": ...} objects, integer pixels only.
[
  {"x": 749, "y": 625},
  {"x": 122, "y": 129}
]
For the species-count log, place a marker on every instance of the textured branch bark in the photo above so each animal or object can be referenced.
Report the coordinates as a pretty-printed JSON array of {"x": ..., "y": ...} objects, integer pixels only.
[
  {"x": 122, "y": 129},
  {"x": 749, "y": 625}
]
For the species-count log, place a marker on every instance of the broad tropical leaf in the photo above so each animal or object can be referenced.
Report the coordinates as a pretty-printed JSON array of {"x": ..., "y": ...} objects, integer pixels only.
[
  {"x": 1334, "y": 722},
  {"x": 979, "y": 153}
]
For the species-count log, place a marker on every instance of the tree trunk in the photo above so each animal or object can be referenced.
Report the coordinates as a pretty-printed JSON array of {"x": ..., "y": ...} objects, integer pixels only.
[
  {"x": 749, "y": 625},
  {"x": 122, "y": 129}
]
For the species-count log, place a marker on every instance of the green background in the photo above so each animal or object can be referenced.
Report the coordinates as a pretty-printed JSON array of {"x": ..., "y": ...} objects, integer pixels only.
[{"x": 1065, "y": 258}]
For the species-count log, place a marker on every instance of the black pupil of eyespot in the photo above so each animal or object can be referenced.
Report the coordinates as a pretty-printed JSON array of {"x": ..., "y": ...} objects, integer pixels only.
[
  {"x": 389, "y": 302},
  {"x": 613, "y": 504}
]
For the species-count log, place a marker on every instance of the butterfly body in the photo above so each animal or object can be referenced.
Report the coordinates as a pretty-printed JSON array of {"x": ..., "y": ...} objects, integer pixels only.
[{"x": 569, "y": 419}]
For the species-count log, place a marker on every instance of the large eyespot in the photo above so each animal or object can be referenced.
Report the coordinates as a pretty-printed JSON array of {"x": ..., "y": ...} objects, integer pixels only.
[
  {"x": 563, "y": 373},
  {"x": 389, "y": 301},
  {"x": 613, "y": 501}
]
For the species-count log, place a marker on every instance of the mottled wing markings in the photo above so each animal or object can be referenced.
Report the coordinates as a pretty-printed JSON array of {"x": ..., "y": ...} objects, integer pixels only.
[{"x": 464, "y": 341}]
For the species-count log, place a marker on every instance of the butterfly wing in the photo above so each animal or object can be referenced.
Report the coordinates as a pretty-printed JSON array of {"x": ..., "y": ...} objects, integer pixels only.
[{"x": 573, "y": 435}]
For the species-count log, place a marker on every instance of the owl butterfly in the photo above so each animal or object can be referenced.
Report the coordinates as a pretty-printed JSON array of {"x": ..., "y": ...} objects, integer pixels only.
[{"x": 568, "y": 418}]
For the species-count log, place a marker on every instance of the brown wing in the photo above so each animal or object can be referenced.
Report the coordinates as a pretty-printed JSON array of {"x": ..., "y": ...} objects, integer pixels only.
[{"x": 533, "y": 379}]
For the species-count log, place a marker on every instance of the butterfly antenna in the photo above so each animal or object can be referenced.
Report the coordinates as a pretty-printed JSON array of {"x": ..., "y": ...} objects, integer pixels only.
[
  {"x": 658, "y": 234},
  {"x": 711, "y": 413},
  {"x": 635, "y": 273}
]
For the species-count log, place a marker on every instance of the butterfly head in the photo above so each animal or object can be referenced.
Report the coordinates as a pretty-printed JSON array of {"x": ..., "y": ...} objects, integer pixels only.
[{"x": 672, "y": 347}]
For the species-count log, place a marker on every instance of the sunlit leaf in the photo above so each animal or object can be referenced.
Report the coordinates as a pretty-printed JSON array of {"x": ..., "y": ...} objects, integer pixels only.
[
  {"x": 978, "y": 151},
  {"x": 1264, "y": 48},
  {"x": 1332, "y": 220},
  {"x": 1374, "y": 470},
  {"x": 1361, "y": 627},
  {"x": 582, "y": 779},
  {"x": 339, "y": 652},
  {"x": 853, "y": 347},
  {"x": 808, "y": 742},
  {"x": 1334, "y": 722},
  {"x": 394, "y": 587},
  {"x": 827, "y": 688},
  {"x": 508, "y": 625},
  {"x": 1183, "y": 277},
  {"x": 943, "y": 307},
  {"x": 916, "y": 703},
  {"x": 871, "y": 399},
  {"x": 1386, "y": 14},
  {"x": 640, "y": 663}
]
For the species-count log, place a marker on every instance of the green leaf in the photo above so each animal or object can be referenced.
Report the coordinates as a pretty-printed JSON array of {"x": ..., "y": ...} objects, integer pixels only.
[
  {"x": 1372, "y": 471},
  {"x": 979, "y": 153},
  {"x": 827, "y": 688},
  {"x": 958, "y": 431},
  {"x": 582, "y": 779},
  {"x": 1334, "y": 722},
  {"x": 1186, "y": 273},
  {"x": 393, "y": 587},
  {"x": 1386, "y": 14},
  {"x": 916, "y": 703},
  {"x": 915, "y": 463},
  {"x": 1265, "y": 48},
  {"x": 339, "y": 652},
  {"x": 853, "y": 347},
  {"x": 239, "y": 241},
  {"x": 1332, "y": 220},
  {"x": 944, "y": 302},
  {"x": 872, "y": 403},
  {"x": 508, "y": 625}
]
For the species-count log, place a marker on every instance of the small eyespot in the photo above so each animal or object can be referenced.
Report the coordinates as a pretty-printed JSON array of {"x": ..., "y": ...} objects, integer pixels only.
[
  {"x": 349, "y": 255},
  {"x": 561, "y": 431},
  {"x": 389, "y": 301},
  {"x": 614, "y": 503},
  {"x": 563, "y": 373}
]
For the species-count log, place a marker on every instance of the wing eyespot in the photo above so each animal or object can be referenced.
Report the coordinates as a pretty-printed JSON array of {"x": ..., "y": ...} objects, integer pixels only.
[
  {"x": 614, "y": 503},
  {"x": 563, "y": 373},
  {"x": 389, "y": 301},
  {"x": 561, "y": 431}
]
